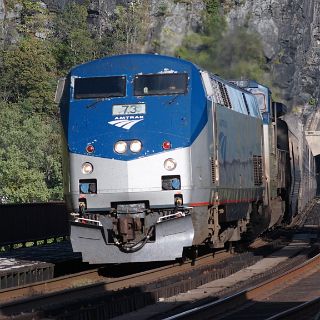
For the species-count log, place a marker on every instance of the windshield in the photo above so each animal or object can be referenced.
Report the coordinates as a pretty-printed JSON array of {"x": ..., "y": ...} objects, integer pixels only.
[
  {"x": 99, "y": 87},
  {"x": 261, "y": 100},
  {"x": 160, "y": 84}
]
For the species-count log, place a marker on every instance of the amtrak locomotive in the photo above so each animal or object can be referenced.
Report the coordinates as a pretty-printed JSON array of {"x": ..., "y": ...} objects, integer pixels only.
[{"x": 161, "y": 156}]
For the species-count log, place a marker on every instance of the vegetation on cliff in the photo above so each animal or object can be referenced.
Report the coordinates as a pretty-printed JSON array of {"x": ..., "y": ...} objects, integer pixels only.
[
  {"x": 48, "y": 44},
  {"x": 229, "y": 53}
]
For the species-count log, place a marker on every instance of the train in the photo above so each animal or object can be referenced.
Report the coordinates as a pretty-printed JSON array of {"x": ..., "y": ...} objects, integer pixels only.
[{"x": 161, "y": 157}]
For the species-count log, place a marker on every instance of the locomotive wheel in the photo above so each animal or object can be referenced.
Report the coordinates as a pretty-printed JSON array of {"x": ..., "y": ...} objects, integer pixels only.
[
  {"x": 230, "y": 247},
  {"x": 190, "y": 253},
  {"x": 258, "y": 222}
]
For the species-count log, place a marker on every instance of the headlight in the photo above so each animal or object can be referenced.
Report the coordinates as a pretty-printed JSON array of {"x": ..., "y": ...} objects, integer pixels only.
[
  {"x": 87, "y": 168},
  {"x": 170, "y": 164},
  {"x": 135, "y": 146},
  {"x": 120, "y": 147}
]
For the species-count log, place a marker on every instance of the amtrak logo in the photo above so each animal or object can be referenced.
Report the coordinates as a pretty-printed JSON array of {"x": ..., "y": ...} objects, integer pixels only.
[{"x": 126, "y": 122}]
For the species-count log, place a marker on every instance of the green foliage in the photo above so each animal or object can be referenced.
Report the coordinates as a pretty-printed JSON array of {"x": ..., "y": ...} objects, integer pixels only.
[
  {"x": 129, "y": 29},
  {"x": 29, "y": 131},
  {"x": 10, "y": 4},
  {"x": 213, "y": 8},
  {"x": 241, "y": 55},
  {"x": 312, "y": 101},
  {"x": 182, "y": 1},
  {"x": 47, "y": 47},
  {"x": 34, "y": 17},
  {"x": 202, "y": 47},
  {"x": 162, "y": 9},
  {"x": 28, "y": 73},
  {"x": 231, "y": 54},
  {"x": 29, "y": 159},
  {"x": 73, "y": 42},
  {"x": 214, "y": 21}
]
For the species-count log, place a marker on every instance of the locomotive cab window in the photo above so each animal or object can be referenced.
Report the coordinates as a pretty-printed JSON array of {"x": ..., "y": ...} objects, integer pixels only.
[
  {"x": 261, "y": 101},
  {"x": 99, "y": 87},
  {"x": 160, "y": 84}
]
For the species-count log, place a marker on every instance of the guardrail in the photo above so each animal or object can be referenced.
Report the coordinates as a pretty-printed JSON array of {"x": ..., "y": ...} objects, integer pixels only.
[{"x": 24, "y": 225}]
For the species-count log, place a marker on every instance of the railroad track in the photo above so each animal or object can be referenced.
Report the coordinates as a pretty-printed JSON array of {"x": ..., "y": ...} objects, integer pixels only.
[
  {"x": 253, "y": 303},
  {"x": 307, "y": 310},
  {"x": 292, "y": 294},
  {"x": 300, "y": 220},
  {"x": 85, "y": 285},
  {"x": 51, "y": 297}
]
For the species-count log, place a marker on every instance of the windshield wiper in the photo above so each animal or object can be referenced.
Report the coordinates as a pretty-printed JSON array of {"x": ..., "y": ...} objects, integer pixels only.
[
  {"x": 110, "y": 95},
  {"x": 93, "y": 104},
  {"x": 173, "y": 99}
]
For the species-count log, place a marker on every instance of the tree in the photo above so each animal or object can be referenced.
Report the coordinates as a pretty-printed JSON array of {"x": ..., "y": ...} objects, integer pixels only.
[
  {"x": 72, "y": 39},
  {"x": 129, "y": 27},
  {"x": 202, "y": 47},
  {"x": 231, "y": 54},
  {"x": 30, "y": 167},
  {"x": 240, "y": 54},
  {"x": 34, "y": 16},
  {"x": 30, "y": 160},
  {"x": 28, "y": 73}
]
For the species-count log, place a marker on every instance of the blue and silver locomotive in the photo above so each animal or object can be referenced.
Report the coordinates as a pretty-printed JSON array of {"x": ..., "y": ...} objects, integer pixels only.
[{"x": 161, "y": 156}]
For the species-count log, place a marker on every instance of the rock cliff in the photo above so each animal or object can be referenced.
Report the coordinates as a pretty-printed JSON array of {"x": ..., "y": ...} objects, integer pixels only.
[{"x": 289, "y": 31}]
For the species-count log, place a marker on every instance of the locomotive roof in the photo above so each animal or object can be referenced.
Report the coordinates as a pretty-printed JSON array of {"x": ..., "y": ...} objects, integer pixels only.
[
  {"x": 148, "y": 63},
  {"x": 137, "y": 63}
]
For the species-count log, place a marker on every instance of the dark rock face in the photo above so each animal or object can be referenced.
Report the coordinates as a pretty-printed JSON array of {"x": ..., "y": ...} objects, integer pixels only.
[
  {"x": 170, "y": 20},
  {"x": 290, "y": 32},
  {"x": 59, "y": 4}
]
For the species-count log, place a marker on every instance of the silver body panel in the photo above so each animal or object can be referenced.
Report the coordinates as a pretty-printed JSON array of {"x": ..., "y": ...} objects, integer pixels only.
[
  {"x": 172, "y": 236},
  {"x": 303, "y": 168},
  {"x": 140, "y": 179}
]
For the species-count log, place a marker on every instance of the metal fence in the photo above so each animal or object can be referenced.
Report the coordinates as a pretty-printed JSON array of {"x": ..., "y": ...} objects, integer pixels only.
[{"x": 32, "y": 221}]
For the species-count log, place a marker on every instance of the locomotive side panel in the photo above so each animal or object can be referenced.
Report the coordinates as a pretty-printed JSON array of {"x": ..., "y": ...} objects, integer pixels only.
[
  {"x": 302, "y": 167},
  {"x": 239, "y": 140}
]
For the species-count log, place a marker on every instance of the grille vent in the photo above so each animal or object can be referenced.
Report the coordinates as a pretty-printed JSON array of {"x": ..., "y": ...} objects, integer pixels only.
[
  {"x": 213, "y": 171},
  {"x": 257, "y": 170},
  {"x": 225, "y": 95},
  {"x": 216, "y": 91}
]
